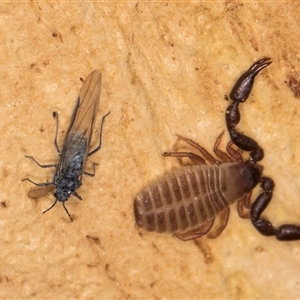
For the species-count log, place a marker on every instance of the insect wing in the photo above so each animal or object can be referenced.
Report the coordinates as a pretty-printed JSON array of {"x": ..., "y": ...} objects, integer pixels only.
[
  {"x": 82, "y": 123},
  {"x": 40, "y": 191},
  {"x": 89, "y": 97}
]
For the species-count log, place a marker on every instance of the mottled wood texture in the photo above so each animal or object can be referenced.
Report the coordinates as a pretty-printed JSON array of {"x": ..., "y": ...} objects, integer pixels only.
[{"x": 166, "y": 68}]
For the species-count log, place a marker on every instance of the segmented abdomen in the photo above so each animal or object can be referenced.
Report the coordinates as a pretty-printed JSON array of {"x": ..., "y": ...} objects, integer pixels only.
[{"x": 184, "y": 199}]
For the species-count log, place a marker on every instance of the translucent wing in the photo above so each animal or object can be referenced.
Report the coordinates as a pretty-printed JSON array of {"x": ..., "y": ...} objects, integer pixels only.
[
  {"x": 89, "y": 97},
  {"x": 40, "y": 191},
  {"x": 82, "y": 123}
]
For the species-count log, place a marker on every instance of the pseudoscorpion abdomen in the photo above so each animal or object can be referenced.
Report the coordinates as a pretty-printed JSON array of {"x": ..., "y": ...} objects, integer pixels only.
[{"x": 183, "y": 199}]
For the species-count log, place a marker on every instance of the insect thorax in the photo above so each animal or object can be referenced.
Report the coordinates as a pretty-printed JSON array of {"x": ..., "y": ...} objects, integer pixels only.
[{"x": 70, "y": 180}]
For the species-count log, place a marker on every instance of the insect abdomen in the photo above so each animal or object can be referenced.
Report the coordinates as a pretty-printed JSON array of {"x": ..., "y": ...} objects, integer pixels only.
[{"x": 183, "y": 200}]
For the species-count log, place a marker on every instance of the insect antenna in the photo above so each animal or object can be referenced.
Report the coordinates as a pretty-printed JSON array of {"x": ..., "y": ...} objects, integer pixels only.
[
  {"x": 63, "y": 203},
  {"x": 67, "y": 211},
  {"x": 50, "y": 206}
]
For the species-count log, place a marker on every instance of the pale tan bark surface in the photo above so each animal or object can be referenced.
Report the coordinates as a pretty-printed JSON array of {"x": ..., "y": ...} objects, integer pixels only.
[{"x": 166, "y": 68}]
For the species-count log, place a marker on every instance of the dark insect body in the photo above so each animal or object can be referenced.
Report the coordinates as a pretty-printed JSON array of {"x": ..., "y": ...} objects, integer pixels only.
[
  {"x": 186, "y": 201},
  {"x": 70, "y": 167}
]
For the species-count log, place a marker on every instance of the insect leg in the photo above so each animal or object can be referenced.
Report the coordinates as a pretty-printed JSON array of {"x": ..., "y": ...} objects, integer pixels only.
[
  {"x": 91, "y": 174},
  {"x": 38, "y": 184},
  {"x": 286, "y": 232},
  {"x": 42, "y": 166},
  {"x": 223, "y": 155},
  {"x": 196, "y": 159},
  {"x": 97, "y": 148},
  {"x": 77, "y": 195},
  {"x": 197, "y": 232},
  {"x": 55, "y": 116},
  {"x": 204, "y": 152},
  {"x": 234, "y": 153},
  {"x": 224, "y": 215},
  {"x": 244, "y": 203},
  {"x": 100, "y": 137}
]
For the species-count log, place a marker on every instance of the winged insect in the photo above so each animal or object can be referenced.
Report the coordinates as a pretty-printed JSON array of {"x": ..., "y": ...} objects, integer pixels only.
[{"x": 69, "y": 170}]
